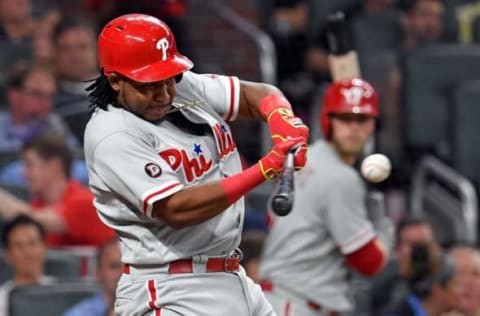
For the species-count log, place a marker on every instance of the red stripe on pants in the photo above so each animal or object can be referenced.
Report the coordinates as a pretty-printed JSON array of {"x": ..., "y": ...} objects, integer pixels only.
[
  {"x": 288, "y": 308},
  {"x": 152, "y": 291}
]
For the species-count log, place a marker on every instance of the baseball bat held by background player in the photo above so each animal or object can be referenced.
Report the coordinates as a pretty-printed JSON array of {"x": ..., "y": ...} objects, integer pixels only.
[{"x": 342, "y": 58}]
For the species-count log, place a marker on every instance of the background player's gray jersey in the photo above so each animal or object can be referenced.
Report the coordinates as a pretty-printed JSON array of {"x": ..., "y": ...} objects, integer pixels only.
[
  {"x": 133, "y": 163},
  {"x": 304, "y": 251}
]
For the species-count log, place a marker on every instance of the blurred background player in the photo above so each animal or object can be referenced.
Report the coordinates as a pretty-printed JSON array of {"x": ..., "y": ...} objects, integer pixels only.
[{"x": 304, "y": 266}]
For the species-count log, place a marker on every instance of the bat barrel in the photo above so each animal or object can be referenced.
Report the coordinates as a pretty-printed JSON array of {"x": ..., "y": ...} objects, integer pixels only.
[
  {"x": 282, "y": 200},
  {"x": 282, "y": 204}
]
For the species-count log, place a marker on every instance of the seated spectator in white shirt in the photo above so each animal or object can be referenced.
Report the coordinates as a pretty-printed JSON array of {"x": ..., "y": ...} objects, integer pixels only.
[{"x": 25, "y": 250}]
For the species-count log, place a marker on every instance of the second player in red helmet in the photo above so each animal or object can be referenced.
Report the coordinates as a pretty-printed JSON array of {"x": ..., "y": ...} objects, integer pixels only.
[
  {"x": 307, "y": 255},
  {"x": 354, "y": 96}
]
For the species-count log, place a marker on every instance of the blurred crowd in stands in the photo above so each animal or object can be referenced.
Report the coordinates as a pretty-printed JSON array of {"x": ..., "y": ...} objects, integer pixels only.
[{"x": 47, "y": 216}]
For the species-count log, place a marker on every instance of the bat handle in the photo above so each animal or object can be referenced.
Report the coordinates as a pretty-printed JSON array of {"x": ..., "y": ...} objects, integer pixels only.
[{"x": 282, "y": 200}]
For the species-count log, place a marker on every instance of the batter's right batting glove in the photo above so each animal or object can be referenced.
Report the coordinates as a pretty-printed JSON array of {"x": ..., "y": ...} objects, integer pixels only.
[
  {"x": 272, "y": 164},
  {"x": 283, "y": 123}
]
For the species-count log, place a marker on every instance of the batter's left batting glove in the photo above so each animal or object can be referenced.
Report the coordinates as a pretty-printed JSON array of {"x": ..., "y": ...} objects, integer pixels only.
[{"x": 272, "y": 164}]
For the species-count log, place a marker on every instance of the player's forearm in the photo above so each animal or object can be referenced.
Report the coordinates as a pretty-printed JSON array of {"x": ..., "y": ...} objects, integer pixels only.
[
  {"x": 191, "y": 206},
  {"x": 251, "y": 95}
]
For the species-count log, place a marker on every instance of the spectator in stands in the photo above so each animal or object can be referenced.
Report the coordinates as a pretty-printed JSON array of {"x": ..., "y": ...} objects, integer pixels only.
[
  {"x": 434, "y": 284},
  {"x": 251, "y": 246},
  {"x": 389, "y": 287},
  {"x": 423, "y": 21},
  {"x": 109, "y": 270},
  {"x": 467, "y": 261},
  {"x": 62, "y": 205},
  {"x": 422, "y": 24},
  {"x": 75, "y": 62},
  {"x": 25, "y": 249},
  {"x": 30, "y": 92},
  {"x": 16, "y": 30},
  {"x": 43, "y": 51},
  {"x": 16, "y": 20}
]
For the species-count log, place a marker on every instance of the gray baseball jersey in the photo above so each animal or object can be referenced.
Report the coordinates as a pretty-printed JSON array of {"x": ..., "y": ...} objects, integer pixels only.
[
  {"x": 305, "y": 251},
  {"x": 132, "y": 163}
]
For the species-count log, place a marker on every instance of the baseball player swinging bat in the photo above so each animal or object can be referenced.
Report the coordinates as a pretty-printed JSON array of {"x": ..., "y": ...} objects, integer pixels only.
[{"x": 343, "y": 62}]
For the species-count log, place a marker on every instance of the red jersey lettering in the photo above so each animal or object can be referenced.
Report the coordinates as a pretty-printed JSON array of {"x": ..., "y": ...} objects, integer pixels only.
[
  {"x": 224, "y": 140},
  {"x": 193, "y": 168}
]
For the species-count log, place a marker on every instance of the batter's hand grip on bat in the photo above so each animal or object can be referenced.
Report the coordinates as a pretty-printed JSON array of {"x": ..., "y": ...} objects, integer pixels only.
[{"x": 282, "y": 199}]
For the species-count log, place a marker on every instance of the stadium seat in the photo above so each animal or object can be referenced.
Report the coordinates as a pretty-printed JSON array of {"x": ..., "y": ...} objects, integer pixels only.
[
  {"x": 48, "y": 300},
  {"x": 430, "y": 75},
  {"x": 447, "y": 199},
  {"x": 62, "y": 264},
  {"x": 466, "y": 128}
]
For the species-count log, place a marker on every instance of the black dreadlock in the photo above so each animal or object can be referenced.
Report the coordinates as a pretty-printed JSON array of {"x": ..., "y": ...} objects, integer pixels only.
[{"x": 100, "y": 93}]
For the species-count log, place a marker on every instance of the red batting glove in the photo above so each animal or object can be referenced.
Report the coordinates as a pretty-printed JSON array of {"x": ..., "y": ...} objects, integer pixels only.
[
  {"x": 284, "y": 124},
  {"x": 273, "y": 163}
]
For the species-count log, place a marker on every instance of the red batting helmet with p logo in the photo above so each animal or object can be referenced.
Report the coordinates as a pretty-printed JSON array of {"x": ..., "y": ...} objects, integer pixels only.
[
  {"x": 347, "y": 96},
  {"x": 140, "y": 47}
]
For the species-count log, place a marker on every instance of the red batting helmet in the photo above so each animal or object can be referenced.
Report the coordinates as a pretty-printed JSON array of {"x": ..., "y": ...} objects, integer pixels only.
[
  {"x": 347, "y": 96},
  {"x": 140, "y": 47}
]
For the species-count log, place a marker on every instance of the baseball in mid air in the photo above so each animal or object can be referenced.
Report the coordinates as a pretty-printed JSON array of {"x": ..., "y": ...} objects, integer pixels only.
[{"x": 376, "y": 168}]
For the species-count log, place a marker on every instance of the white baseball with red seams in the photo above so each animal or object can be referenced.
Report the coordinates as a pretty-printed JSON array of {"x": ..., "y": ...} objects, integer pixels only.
[{"x": 376, "y": 168}]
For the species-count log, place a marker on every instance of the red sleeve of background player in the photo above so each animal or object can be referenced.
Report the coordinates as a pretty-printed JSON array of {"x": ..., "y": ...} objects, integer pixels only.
[
  {"x": 368, "y": 260},
  {"x": 83, "y": 224}
]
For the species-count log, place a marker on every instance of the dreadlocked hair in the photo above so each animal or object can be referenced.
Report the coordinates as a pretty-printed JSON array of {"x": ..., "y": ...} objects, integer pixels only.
[{"x": 100, "y": 93}]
